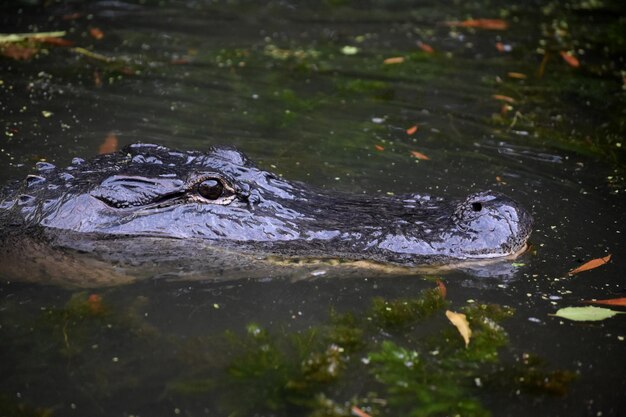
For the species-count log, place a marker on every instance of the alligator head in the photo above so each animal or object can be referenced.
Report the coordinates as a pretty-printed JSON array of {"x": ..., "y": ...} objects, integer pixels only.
[{"x": 222, "y": 198}]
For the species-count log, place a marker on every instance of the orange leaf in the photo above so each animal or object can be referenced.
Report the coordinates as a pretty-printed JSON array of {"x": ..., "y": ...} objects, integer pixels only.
[
  {"x": 109, "y": 145},
  {"x": 517, "y": 75},
  {"x": 426, "y": 47},
  {"x": 95, "y": 303},
  {"x": 442, "y": 288},
  {"x": 394, "y": 60},
  {"x": 490, "y": 24},
  {"x": 379, "y": 148},
  {"x": 358, "y": 412},
  {"x": 411, "y": 130},
  {"x": 97, "y": 78},
  {"x": 51, "y": 40},
  {"x": 96, "y": 33},
  {"x": 460, "y": 322},
  {"x": 419, "y": 155},
  {"x": 610, "y": 302},
  {"x": 72, "y": 16},
  {"x": 571, "y": 60},
  {"x": 594, "y": 263},
  {"x": 503, "y": 98}
]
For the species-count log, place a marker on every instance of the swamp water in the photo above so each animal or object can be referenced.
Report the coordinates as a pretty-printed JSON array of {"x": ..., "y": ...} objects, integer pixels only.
[{"x": 369, "y": 97}]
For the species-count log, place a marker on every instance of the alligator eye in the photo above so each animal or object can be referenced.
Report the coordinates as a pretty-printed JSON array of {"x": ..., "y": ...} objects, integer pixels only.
[
  {"x": 477, "y": 206},
  {"x": 211, "y": 189}
]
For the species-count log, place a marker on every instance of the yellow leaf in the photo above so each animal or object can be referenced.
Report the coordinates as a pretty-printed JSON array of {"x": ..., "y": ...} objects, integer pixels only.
[{"x": 460, "y": 322}]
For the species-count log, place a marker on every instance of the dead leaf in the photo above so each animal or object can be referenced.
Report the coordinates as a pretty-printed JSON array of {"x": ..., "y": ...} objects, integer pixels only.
[
  {"x": 96, "y": 33},
  {"x": 18, "y": 52},
  {"x": 379, "y": 148},
  {"x": 460, "y": 322},
  {"x": 419, "y": 155},
  {"x": 71, "y": 16},
  {"x": 97, "y": 79},
  {"x": 571, "y": 60},
  {"x": 500, "y": 97},
  {"x": 109, "y": 145},
  {"x": 442, "y": 288},
  {"x": 358, "y": 412},
  {"x": 411, "y": 130},
  {"x": 610, "y": 302},
  {"x": 503, "y": 47},
  {"x": 594, "y": 263},
  {"x": 53, "y": 40},
  {"x": 425, "y": 48},
  {"x": 394, "y": 60},
  {"x": 490, "y": 24},
  {"x": 95, "y": 304},
  {"x": 517, "y": 75},
  {"x": 505, "y": 109}
]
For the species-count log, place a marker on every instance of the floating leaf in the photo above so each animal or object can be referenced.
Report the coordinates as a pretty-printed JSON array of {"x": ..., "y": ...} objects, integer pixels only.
[
  {"x": 442, "y": 288},
  {"x": 460, "y": 322},
  {"x": 94, "y": 301},
  {"x": 72, "y": 16},
  {"x": 500, "y": 97},
  {"x": 517, "y": 75},
  {"x": 571, "y": 60},
  {"x": 358, "y": 412},
  {"x": 589, "y": 313},
  {"x": 411, "y": 130},
  {"x": 51, "y": 40},
  {"x": 419, "y": 155},
  {"x": 594, "y": 263},
  {"x": 503, "y": 47},
  {"x": 349, "y": 50},
  {"x": 490, "y": 24},
  {"x": 97, "y": 78},
  {"x": 379, "y": 148},
  {"x": 425, "y": 48},
  {"x": 96, "y": 33},
  {"x": 109, "y": 145},
  {"x": 394, "y": 60},
  {"x": 609, "y": 302}
]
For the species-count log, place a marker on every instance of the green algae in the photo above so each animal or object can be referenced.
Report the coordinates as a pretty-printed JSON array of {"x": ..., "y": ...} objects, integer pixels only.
[
  {"x": 397, "y": 357},
  {"x": 390, "y": 314},
  {"x": 311, "y": 372}
]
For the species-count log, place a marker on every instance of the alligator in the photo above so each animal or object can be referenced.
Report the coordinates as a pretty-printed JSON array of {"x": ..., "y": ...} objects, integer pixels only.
[{"x": 149, "y": 204}]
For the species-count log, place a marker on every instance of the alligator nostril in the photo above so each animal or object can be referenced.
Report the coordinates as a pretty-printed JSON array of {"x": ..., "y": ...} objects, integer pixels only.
[{"x": 477, "y": 206}]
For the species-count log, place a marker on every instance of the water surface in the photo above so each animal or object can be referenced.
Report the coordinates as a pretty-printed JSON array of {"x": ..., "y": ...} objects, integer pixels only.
[{"x": 307, "y": 90}]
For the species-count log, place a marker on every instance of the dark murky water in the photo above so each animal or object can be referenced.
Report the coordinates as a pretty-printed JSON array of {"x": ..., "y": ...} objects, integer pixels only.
[{"x": 305, "y": 91}]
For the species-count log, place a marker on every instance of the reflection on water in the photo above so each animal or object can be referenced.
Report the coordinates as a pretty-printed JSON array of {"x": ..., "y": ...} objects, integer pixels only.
[{"x": 340, "y": 95}]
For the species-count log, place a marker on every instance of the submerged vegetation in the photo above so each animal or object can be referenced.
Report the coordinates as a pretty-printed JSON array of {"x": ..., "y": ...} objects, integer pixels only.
[{"x": 399, "y": 357}]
